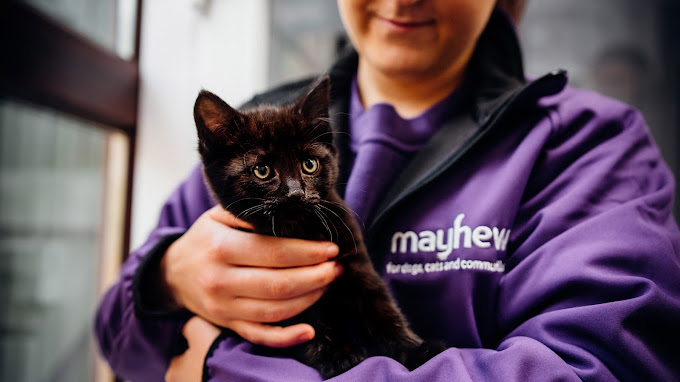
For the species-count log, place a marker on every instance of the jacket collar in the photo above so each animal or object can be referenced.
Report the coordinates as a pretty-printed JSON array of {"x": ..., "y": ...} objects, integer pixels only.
[{"x": 341, "y": 75}]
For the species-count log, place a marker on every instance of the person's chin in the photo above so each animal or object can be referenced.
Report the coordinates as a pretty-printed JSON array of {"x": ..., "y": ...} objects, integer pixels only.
[{"x": 402, "y": 67}]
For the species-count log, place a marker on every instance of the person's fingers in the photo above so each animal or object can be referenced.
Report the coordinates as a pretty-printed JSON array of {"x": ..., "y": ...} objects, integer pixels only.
[
  {"x": 269, "y": 311},
  {"x": 199, "y": 332},
  {"x": 173, "y": 374},
  {"x": 213, "y": 272},
  {"x": 273, "y": 336},
  {"x": 188, "y": 366},
  {"x": 265, "y": 283},
  {"x": 219, "y": 214},
  {"x": 260, "y": 294},
  {"x": 272, "y": 252}
]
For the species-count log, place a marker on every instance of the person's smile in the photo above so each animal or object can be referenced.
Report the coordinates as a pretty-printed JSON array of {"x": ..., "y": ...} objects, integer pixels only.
[{"x": 404, "y": 25}]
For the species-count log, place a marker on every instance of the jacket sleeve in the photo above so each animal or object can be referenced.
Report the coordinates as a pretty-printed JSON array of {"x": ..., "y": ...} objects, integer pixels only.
[
  {"x": 137, "y": 341},
  {"x": 592, "y": 283}
]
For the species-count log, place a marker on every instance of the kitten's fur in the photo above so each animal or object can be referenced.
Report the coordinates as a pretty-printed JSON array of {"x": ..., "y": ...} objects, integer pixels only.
[{"x": 356, "y": 318}]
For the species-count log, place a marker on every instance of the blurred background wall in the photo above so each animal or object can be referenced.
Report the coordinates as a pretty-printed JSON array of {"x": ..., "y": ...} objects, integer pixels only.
[
  {"x": 187, "y": 45},
  {"x": 64, "y": 174}
]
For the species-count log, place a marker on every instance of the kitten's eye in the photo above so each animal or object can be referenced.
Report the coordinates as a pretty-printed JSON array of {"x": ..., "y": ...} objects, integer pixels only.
[
  {"x": 310, "y": 165},
  {"x": 262, "y": 171}
]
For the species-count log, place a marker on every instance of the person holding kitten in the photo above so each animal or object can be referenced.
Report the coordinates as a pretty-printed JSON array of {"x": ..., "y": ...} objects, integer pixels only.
[{"x": 525, "y": 224}]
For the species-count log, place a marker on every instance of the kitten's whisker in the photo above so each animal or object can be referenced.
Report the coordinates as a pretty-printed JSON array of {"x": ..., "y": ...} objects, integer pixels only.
[
  {"x": 346, "y": 209},
  {"x": 323, "y": 221},
  {"x": 250, "y": 211},
  {"x": 340, "y": 113},
  {"x": 255, "y": 207},
  {"x": 241, "y": 200},
  {"x": 273, "y": 228},
  {"x": 321, "y": 135},
  {"x": 343, "y": 223},
  {"x": 243, "y": 214},
  {"x": 329, "y": 132},
  {"x": 335, "y": 227},
  {"x": 327, "y": 119},
  {"x": 330, "y": 221},
  {"x": 319, "y": 124}
]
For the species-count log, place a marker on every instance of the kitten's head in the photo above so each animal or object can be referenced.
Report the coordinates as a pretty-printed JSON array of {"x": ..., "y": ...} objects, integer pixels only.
[{"x": 269, "y": 164}]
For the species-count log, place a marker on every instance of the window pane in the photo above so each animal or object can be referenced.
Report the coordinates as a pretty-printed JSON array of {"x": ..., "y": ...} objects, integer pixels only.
[
  {"x": 51, "y": 185},
  {"x": 305, "y": 38},
  {"x": 110, "y": 23}
]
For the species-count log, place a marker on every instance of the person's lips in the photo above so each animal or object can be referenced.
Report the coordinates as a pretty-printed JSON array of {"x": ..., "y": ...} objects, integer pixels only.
[{"x": 406, "y": 24}]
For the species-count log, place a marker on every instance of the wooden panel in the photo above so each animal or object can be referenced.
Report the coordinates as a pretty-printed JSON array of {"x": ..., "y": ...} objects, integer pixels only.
[{"x": 46, "y": 63}]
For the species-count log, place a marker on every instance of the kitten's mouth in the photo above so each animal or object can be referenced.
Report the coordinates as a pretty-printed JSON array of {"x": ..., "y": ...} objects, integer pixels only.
[
  {"x": 287, "y": 219},
  {"x": 292, "y": 203},
  {"x": 288, "y": 211}
]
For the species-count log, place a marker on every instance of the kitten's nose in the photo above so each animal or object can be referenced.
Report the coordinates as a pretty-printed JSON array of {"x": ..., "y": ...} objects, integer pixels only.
[{"x": 295, "y": 189}]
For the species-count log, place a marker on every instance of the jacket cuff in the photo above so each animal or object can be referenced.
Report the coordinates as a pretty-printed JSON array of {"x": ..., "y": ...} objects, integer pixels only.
[
  {"x": 211, "y": 350},
  {"x": 145, "y": 289}
]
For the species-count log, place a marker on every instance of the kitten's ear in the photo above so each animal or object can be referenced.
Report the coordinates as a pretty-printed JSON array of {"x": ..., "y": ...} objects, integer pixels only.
[
  {"x": 314, "y": 105},
  {"x": 215, "y": 121}
]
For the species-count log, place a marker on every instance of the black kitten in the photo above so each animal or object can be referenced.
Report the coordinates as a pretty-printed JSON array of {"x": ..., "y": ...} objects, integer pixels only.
[{"x": 276, "y": 168}]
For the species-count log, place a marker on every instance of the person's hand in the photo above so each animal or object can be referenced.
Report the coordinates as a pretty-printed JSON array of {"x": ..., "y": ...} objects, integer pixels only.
[
  {"x": 188, "y": 366},
  {"x": 241, "y": 281}
]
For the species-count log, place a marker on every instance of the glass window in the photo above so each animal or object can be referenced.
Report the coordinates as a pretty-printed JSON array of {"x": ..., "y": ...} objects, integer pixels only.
[
  {"x": 63, "y": 181},
  {"x": 52, "y": 172},
  {"x": 305, "y": 38},
  {"x": 109, "y": 23},
  {"x": 93, "y": 19}
]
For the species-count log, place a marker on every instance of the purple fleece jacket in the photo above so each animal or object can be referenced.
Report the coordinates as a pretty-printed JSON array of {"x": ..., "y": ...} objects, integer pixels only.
[{"x": 546, "y": 252}]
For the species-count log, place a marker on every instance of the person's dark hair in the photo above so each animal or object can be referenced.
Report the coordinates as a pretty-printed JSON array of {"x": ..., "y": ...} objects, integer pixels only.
[{"x": 515, "y": 8}]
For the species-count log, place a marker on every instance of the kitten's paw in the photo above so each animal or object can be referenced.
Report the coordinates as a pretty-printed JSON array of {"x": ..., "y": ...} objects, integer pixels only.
[
  {"x": 339, "y": 362},
  {"x": 422, "y": 353}
]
